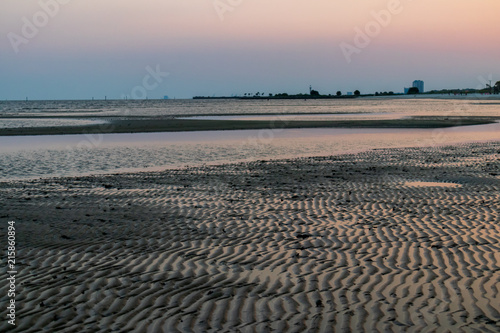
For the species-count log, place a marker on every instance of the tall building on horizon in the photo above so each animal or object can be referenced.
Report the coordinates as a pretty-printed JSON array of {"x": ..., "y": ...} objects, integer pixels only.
[{"x": 419, "y": 84}]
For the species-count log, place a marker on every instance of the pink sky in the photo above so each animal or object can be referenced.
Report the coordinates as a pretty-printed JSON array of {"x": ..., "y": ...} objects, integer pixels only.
[{"x": 279, "y": 45}]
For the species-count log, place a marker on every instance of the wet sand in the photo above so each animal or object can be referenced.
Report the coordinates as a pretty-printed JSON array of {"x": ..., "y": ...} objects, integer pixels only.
[
  {"x": 388, "y": 240},
  {"x": 169, "y": 124}
]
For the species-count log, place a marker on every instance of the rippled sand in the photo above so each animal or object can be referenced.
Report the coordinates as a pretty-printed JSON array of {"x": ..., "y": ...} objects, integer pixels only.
[{"x": 338, "y": 244}]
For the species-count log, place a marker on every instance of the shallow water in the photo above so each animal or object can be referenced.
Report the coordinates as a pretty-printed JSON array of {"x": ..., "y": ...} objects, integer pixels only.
[
  {"x": 224, "y": 107},
  {"x": 49, "y": 122},
  {"x": 68, "y": 155},
  {"x": 45, "y": 156}
]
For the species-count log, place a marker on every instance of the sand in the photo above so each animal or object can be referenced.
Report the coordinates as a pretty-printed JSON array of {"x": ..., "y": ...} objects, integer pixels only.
[
  {"x": 134, "y": 124},
  {"x": 345, "y": 243}
]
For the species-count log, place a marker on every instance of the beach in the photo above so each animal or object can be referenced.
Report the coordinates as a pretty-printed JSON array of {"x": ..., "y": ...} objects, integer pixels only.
[
  {"x": 386, "y": 240},
  {"x": 250, "y": 167},
  {"x": 148, "y": 125}
]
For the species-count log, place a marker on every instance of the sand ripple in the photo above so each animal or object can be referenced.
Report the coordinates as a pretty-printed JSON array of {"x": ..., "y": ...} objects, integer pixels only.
[{"x": 333, "y": 244}]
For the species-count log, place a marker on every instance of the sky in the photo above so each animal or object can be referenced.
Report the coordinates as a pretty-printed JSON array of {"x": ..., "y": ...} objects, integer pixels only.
[{"x": 80, "y": 49}]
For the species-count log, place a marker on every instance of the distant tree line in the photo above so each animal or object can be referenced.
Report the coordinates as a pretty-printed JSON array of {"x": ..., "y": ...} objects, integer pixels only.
[
  {"x": 313, "y": 93},
  {"x": 495, "y": 89}
]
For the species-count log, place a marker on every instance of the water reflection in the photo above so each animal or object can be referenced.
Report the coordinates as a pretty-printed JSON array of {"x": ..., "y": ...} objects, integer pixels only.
[{"x": 43, "y": 156}]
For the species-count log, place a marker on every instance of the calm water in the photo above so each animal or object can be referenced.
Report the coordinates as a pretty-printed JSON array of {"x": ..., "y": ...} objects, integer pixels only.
[
  {"x": 47, "y": 122},
  {"x": 225, "y": 107},
  {"x": 45, "y": 156}
]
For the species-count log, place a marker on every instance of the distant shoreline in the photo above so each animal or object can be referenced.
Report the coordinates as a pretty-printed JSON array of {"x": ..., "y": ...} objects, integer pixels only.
[
  {"x": 469, "y": 96},
  {"x": 279, "y": 97}
]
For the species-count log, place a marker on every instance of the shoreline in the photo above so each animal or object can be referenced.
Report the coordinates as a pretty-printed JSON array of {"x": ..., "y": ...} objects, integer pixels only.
[
  {"x": 450, "y": 96},
  {"x": 469, "y": 96},
  {"x": 149, "y": 125},
  {"x": 386, "y": 239}
]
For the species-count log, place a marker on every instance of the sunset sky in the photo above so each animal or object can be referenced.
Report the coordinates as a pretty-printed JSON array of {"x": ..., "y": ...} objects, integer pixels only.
[{"x": 81, "y": 49}]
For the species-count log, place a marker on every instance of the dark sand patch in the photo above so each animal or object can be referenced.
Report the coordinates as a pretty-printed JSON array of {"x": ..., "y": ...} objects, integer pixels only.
[{"x": 142, "y": 125}]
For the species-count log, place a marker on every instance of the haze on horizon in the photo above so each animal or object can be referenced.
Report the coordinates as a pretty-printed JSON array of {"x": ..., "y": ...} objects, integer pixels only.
[{"x": 77, "y": 49}]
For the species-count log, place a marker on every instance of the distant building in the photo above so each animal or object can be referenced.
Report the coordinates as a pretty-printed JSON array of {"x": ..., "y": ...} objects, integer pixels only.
[
  {"x": 419, "y": 84},
  {"x": 406, "y": 90},
  {"x": 349, "y": 93},
  {"x": 165, "y": 97}
]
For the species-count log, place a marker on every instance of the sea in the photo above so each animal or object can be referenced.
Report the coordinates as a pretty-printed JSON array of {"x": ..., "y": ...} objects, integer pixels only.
[{"x": 33, "y": 157}]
